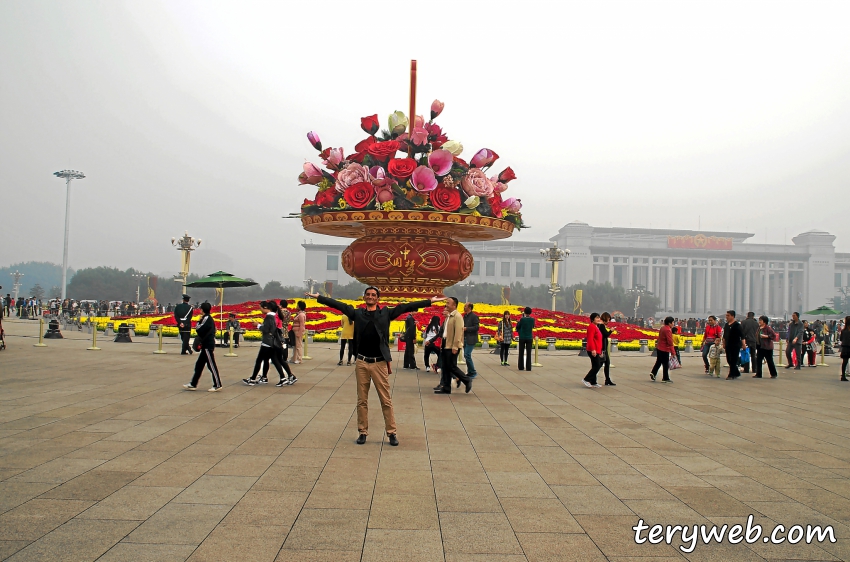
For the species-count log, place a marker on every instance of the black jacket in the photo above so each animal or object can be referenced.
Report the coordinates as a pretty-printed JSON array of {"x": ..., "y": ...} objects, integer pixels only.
[
  {"x": 471, "y": 325},
  {"x": 180, "y": 311},
  {"x": 380, "y": 317},
  {"x": 732, "y": 336},
  {"x": 206, "y": 331},
  {"x": 410, "y": 329},
  {"x": 750, "y": 329},
  {"x": 269, "y": 330}
]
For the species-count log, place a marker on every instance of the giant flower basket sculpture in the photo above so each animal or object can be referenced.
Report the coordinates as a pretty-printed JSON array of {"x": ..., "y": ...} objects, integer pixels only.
[{"x": 409, "y": 200}]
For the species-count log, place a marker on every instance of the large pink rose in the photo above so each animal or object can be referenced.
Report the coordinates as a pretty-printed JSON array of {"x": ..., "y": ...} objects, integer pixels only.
[
  {"x": 351, "y": 174},
  {"x": 475, "y": 183}
]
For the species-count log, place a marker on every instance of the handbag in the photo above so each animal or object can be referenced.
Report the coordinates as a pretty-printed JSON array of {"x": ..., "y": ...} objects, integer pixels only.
[
  {"x": 197, "y": 343},
  {"x": 745, "y": 355},
  {"x": 674, "y": 363},
  {"x": 290, "y": 338}
]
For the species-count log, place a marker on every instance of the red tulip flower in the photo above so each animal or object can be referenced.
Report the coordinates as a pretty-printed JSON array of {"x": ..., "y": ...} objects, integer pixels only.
[
  {"x": 370, "y": 124},
  {"x": 507, "y": 175},
  {"x": 314, "y": 140}
]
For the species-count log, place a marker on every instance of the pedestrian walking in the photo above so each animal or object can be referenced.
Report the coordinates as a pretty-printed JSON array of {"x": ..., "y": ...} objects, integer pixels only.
[
  {"x": 409, "y": 343},
  {"x": 371, "y": 332},
  {"x": 766, "y": 337},
  {"x": 663, "y": 349},
  {"x": 733, "y": 341},
  {"x": 271, "y": 339},
  {"x": 183, "y": 317},
  {"x": 594, "y": 351},
  {"x": 844, "y": 338},
  {"x": 346, "y": 337},
  {"x": 606, "y": 349},
  {"x": 432, "y": 343},
  {"x": 715, "y": 353},
  {"x": 750, "y": 329},
  {"x": 525, "y": 334},
  {"x": 712, "y": 333},
  {"x": 281, "y": 322},
  {"x": 471, "y": 325},
  {"x": 452, "y": 345},
  {"x": 206, "y": 354},
  {"x": 794, "y": 338},
  {"x": 505, "y": 336},
  {"x": 299, "y": 326}
]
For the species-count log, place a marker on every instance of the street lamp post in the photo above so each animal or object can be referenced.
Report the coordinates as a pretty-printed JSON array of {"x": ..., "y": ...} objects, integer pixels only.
[
  {"x": 309, "y": 283},
  {"x": 468, "y": 285},
  {"x": 554, "y": 255},
  {"x": 16, "y": 286},
  {"x": 68, "y": 175},
  {"x": 637, "y": 291},
  {"x": 139, "y": 276},
  {"x": 186, "y": 245}
]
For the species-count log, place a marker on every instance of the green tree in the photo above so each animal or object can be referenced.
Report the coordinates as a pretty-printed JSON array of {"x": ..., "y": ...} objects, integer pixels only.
[{"x": 37, "y": 291}]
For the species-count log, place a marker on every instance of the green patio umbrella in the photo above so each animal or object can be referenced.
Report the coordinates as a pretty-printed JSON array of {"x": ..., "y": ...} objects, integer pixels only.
[
  {"x": 823, "y": 311},
  {"x": 220, "y": 280}
]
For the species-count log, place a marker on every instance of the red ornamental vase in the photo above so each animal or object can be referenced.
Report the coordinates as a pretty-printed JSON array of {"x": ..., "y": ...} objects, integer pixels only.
[{"x": 408, "y": 253}]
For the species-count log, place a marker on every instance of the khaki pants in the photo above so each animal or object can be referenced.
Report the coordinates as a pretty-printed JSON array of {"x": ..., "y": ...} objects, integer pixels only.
[
  {"x": 299, "y": 348},
  {"x": 367, "y": 373}
]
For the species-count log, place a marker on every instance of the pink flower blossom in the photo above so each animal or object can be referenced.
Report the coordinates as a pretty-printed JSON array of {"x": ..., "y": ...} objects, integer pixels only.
[
  {"x": 311, "y": 174},
  {"x": 440, "y": 161},
  {"x": 351, "y": 174},
  {"x": 476, "y": 183},
  {"x": 483, "y": 158},
  {"x": 384, "y": 193},
  {"x": 419, "y": 121},
  {"x": 512, "y": 204},
  {"x": 419, "y": 136},
  {"x": 423, "y": 179},
  {"x": 335, "y": 158},
  {"x": 314, "y": 140},
  {"x": 436, "y": 108},
  {"x": 379, "y": 177},
  {"x": 498, "y": 187}
]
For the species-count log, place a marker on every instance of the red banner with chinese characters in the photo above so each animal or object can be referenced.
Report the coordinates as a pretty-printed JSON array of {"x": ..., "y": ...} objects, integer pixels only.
[{"x": 699, "y": 242}]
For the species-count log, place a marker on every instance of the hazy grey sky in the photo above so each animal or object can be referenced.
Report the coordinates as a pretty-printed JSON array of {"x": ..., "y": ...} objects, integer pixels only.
[{"x": 193, "y": 115}]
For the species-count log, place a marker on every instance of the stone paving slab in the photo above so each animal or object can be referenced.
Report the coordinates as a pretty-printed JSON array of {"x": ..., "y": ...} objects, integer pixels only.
[{"x": 103, "y": 456}]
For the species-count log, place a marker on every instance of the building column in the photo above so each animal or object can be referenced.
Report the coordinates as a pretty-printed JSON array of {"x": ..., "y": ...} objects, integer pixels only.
[
  {"x": 649, "y": 286},
  {"x": 688, "y": 281},
  {"x": 630, "y": 273},
  {"x": 747, "y": 286},
  {"x": 611, "y": 270},
  {"x": 708, "y": 289},
  {"x": 786, "y": 289},
  {"x": 767, "y": 288},
  {"x": 729, "y": 285},
  {"x": 670, "y": 285}
]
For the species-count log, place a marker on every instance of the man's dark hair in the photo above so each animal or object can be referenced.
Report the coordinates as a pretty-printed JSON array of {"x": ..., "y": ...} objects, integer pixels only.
[
  {"x": 206, "y": 307},
  {"x": 751, "y": 315},
  {"x": 669, "y": 320},
  {"x": 471, "y": 307},
  {"x": 527, "y": 310},
  {"x": 712, "y": 317},
  {"x": 797, "y": 314},
  {"x": 264, "y": 304},
  {"x": 764, "y": 319},
  {"x": 731, "y": 313},
  {"x": 455, "y": 301},
  {"x": 302, "y": 305},
  {"x": 377, "y": 292},
  {"x": 593, "y": 316}
]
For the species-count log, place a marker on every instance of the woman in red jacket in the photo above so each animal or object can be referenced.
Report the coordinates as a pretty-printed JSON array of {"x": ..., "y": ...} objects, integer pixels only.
[
  {"x": 663, "y": 348},
  {"x": 712, "y": 332},
  {"x": 594, "y": 351}
]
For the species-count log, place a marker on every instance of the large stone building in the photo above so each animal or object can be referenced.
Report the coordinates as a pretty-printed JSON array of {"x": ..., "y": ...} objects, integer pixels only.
[{"x": 692, "y": 273}]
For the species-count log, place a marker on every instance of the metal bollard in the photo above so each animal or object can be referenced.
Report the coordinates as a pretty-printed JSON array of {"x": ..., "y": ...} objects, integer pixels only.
[
  {"x": 609, "y": 354},
  {"x": 40, "y": 334},
  {"x": 822, "y": 353},
  {"x": 160, "y": 351},
  {"x": 305, "y": 356},
  {"x": 231, "y": 354},
  {"x": 536, "y": 350},
  {"x": 689, "y": 346},
  {"x": 94, "y": 339},
  {"x": 781, "y": 355}
]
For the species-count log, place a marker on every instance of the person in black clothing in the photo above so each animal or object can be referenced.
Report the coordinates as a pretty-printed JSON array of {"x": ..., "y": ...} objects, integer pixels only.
[
  {"x": 206, "y": 355},
  {"x": 271, "y": 340},
  {"x": 606, "y": 333},
  {"x": 844, "y": 338},
  {"x": 733, "y": 340},
  {"x": 183, "y": 317},
  {"x": 282, "y": 350},
  {"x": 750, "y": 330},
  {"x": 371, "y": 332},
  {"x": 431, "y": 340},
  {"x": 410, "y": 342}
]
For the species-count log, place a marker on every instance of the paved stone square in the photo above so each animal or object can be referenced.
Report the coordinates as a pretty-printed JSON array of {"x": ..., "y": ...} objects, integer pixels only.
[{"x": 103, "y": 456}]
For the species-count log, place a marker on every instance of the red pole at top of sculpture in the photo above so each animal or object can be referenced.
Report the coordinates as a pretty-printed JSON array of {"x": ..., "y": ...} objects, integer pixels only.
[{"x": 412, "y": 114}]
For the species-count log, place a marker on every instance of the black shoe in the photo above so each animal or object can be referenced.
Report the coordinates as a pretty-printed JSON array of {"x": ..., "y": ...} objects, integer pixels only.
[
  {"x": 249, "y": 382},
  {"x": 458, "y": 383},
  {"x": 652, "y": 376},
  {"x": 609, "y": 383},
  {"x": 361, "y": 439},
  {"x": 443, "y": 391},
  {"x": 393, "y": 439},
  {"x": 787, "y": 366},
  {"x": 796, "y": 368},
  {"x": 347, "y": 364},
  {"x": 264, "y": 380},
  {"x": 438, "y": 387},
  {"x": 340, "y": 363},
  {"x": 843, "y": 378},
  {"x": 469, "y": 386}
]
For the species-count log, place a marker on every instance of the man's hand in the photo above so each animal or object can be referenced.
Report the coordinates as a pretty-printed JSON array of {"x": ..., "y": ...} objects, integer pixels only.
[
  {"x": 593, "y": 353},
  {"x": 454, "y": 351},
  {"x": 311, "y": 295},
  {"x": 438, "y": 298}
]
